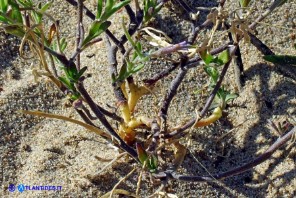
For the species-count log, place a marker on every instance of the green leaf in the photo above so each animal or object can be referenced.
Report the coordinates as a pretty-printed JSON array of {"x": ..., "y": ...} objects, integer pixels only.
[
  {"x": 206, "y": 57},
  {"x": 123, "y": 74},
  {"x": 130, "y": 65},
  {"x": 230, "y": 97},
  {"x": 152, "y": 163},
  {"x": 142, "y": 155},
  {"x": 137, "y": 68},
  {"x": 128, "y": 36},
  {"x": 26, "y": 4},
  {"x": 99, "y": 9},
  {"x": 14, "y": 30},
  {"x": 109, "y": 5},
  {"x": 16, "y": 14},
  {"x": 117, "y": 7},
  {"x": 3, "y": 19},
  {"x": 45, "y": 7},
  {"x": 151, "y": 8},
  {"x": 67, "y": 83},
  {"x": 212, "y": 72},
  {"x": 3, "y": 5},
  {"x": 81, "y": 72},
  {"x": 96, "y": 29},
  {"x": 136, "y": 45},
  {"x": 72, "y": 73},
  {"x": 281, "y": 59},
  {"x": 139, "y": 46},
  {"x": 244, "y": 3},
  {"x": 37, "y": 17},
  {"x": 75, "y": 96},
  {"x": 224, "y": 56},
  {"x": 63, "y": 44}
]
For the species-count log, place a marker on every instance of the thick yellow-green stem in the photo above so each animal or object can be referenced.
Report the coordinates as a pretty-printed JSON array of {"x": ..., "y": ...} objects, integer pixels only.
[
  {"x": 125, "y": 112},
  {"x": 123, "y": 88},
  {"x": 138, "y": 121},
  {"x": 217, "y": 113},
  {"x": 127, "y": 134},
  {"x": 135, "y": 93},
  {"x": 127, "y": 130}
]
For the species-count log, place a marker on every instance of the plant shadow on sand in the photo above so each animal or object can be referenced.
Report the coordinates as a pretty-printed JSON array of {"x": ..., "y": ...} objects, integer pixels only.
[
  {"x": 9, "y": 51},
  {"x": 175, "y": 21},
  {"x": 272, "y": 103}
]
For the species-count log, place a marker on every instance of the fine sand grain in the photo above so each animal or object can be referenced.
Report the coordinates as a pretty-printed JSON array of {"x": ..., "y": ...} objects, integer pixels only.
[{"x": 37, "y": 151}]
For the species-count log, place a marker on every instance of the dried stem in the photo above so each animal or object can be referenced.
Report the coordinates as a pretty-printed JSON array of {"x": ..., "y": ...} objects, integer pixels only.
[
  {"x": 93, "y": 17},
  {"x": 103, "y": 120},
  {"x": 171, "y": 93},
  {"x": 185, "y": 6},
  {"x": 238, "y": 63},
  {"x": 112, "y": 50},
  {"x": 60, "y": 117},
  {"x": 135, "y": 22},
  {"x": 190, "y": 64},
  {"x": 263, "y": 157},
  {"x": 160, "y": 75},
  {"x": 155, "y": 131},
  {"x": 260, "y": 45},
  {"x": 79, "y": 33},
  {"x": 196, "y": 30},
  {"x": 180, "y": 131}
]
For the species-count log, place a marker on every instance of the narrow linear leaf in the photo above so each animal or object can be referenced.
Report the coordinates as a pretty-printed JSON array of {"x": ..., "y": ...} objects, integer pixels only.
[
  {"x": 122, "y": 73},
  {"x": 3, "y": 5},
  {"x": 16, "y": 14},
  {"x": 96, "y": 29},
  {"x": 49, "y": 115},
  {"x": 244, "y": 3},
  {"x": 82, "y": 70},
  {"x": 46, "y": 6},
  {"x": 63, "y": 44},
  {"x": 3, "y": 19},
  {"x": 230, "y": 97},
  {"x": 116, "y": 8},
  {"x": 128, "y": 36},
  {"x": 26, "y": 4},
  {"x": 137, "y": 68},
  {"x": 99, "y": 9},
  {"x": 152, "y": 163},
  {"x": 142, "y": 155},
  {"x": 206, "y": 57},
  {"x": 108, "y": 6},
  {"x": 67, "y": 83},
  {"x": 224, "y": 56}
]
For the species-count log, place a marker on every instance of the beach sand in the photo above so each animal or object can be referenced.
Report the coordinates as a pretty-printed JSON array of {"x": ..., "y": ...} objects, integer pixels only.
[{"x": 38, "y": 151}]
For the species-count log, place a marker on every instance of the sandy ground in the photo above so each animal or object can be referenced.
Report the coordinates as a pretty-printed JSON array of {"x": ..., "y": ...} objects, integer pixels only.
[{"x": 36, "y": 151}]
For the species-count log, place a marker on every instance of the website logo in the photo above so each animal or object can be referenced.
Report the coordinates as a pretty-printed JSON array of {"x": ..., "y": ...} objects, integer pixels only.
[
  {"x": 11, "y": 187},
  {"x": 21, "y": 188}
]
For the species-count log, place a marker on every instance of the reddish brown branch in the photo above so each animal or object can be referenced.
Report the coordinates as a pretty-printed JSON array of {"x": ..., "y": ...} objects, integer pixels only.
[{"x": 258, "y": 160}]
